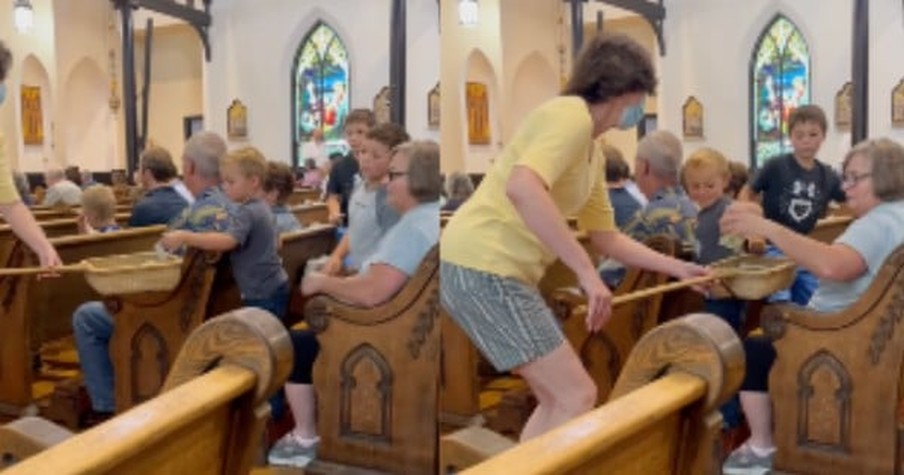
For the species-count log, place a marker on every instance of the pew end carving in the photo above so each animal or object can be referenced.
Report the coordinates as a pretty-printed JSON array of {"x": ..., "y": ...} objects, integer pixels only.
[
  {"x": 838, "y": 380},
  {"x": 377, "y": 378},
  {"x": 209, "y": 420}
]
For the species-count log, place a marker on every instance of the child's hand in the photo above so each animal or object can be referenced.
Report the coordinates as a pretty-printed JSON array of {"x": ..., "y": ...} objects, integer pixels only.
[
  {"x": 173, "y": 240},
  {"x": 312, "y": 283},
  {"x": 756, "y": 245},
  {"x": 82, "y": 222}
]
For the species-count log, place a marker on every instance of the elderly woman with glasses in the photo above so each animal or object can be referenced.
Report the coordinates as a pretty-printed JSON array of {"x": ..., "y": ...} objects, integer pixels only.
[{"x": 873, "y": 181}]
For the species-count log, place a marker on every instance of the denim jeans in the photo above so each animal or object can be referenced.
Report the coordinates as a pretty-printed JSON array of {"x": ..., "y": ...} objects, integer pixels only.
[
  {"x": 93, "y": 326},
  {"x": 277, "y": 304},
  {"x": 802, "y": 288}
]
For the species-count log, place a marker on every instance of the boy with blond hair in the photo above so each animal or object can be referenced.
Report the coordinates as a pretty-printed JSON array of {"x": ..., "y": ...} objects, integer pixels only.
[
  {"x": 98, "y": 210},
  {"x": 250, "y": 239}
]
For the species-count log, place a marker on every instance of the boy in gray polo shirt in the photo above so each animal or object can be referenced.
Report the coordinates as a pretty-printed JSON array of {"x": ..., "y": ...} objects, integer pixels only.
[
  {"x": 251, "y": 238},
  {"x": 369, "y": 214}
]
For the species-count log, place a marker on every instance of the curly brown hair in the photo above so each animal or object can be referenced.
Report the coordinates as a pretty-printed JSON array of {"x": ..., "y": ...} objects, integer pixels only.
[
  {"x": 611, "y": 65},
  {"x": 6, "y": 61}
]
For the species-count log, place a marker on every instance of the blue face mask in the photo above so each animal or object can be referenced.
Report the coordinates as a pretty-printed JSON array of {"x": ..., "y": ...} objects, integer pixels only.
[
  {"x": 2, "y": 93},
  {"x": 631, "y": 116}
]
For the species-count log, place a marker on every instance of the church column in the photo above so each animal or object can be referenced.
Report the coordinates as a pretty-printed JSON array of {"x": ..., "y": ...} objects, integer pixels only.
[
  {"x": 577, "y": 26},
  {"x": 860, "y": 72},
  {"x": 397, "y": 54},
  {"x": 128, "y": 85}
]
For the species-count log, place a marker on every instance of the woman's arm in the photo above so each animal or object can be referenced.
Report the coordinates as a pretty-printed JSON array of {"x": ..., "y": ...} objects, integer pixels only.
[
  {"x": 835, "y": 262},
  {"x": 24, "y": 225},
  {"x": 530, "y": 197},
  {"x": 634, "y": 254},
  {"x": 379, "y": 284}
]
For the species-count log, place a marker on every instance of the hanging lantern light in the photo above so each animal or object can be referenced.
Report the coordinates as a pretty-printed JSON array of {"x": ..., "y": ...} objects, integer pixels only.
[
  {"x": 468, "y": 14},
  {"x": 23, "y": 16}
]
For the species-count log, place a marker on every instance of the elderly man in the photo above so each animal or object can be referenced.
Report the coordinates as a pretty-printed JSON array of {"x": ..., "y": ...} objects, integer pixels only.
[
  {"x": 61, "y": 191},
  {"x": 161, "y": 202},
  {"x": 93, "y": 325},
  {"x": 668, "y": 211}
]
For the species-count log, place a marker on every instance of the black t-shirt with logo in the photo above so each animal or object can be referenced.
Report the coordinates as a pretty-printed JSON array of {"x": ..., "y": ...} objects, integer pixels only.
[
  {"x": 793, "y": 196},
  {"x": 342, "y": 182}
]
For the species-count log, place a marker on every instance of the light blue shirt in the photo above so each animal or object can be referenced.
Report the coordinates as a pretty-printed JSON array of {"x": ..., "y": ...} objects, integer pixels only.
[
  {"x": 405, "y": 244},
  {"x": 874, "y": 236}
]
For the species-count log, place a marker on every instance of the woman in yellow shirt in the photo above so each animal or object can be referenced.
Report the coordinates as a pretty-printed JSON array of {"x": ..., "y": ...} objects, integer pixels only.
[
  {"x": 496, "y": 247},
  {"x": 14, "y": 211}
]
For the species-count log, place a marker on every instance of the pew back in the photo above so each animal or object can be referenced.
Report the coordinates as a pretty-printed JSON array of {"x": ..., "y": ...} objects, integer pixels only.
[
  {"x": 209, "y": 420},
  {"x": 838, "y": 381},
  {"x": 662, "y": 417},
  {"x": 377, "y": 376}
]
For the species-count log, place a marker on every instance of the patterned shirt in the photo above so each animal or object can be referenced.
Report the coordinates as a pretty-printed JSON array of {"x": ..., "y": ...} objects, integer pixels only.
[
  {"x": 669, "y": 213},
  {"x": 211, "y": 211}
]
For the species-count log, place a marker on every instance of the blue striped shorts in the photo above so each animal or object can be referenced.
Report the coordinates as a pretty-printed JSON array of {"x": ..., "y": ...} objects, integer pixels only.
[{"x": 507, "y": 320}]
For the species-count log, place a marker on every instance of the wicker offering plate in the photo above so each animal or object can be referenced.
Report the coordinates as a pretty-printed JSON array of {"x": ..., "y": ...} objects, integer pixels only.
[
  {"x": 132, "y": 273},
  {"x": 751, "y": 277}
]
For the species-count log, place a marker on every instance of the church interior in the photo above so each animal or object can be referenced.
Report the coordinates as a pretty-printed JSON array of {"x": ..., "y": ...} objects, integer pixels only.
[{"x": 367, "y": 367}]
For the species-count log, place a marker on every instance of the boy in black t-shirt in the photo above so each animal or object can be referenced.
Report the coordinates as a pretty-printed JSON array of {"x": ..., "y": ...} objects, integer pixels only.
[
  {"x": 342, "y": 174},
  {"x": 796, "y": 189}
]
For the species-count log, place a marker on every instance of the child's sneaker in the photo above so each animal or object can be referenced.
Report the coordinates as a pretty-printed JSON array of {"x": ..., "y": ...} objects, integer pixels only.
[
  {"x": 290, "y": 451},
  {"x": 744, "y": 461}
]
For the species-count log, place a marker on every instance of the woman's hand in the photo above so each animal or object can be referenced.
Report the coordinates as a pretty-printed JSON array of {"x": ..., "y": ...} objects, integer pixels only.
[
  {"x": 599, "y": 301},
  {"x": 49, "y": 259},
  {"x": 743, "y": 219},
  {"x": 689, "y": 270},
  {"x": 333, "y": 266},
  {"x": 312, "y": 283}
]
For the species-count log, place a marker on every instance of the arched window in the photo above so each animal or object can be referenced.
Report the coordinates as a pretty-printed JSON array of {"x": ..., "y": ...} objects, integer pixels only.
[
  {"x": 320, "y": 87},
  {"x": 780, "y": 81}
]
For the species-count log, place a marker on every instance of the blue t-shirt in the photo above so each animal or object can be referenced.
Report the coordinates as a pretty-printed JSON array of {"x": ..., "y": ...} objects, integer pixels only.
[
  {"x": 874, "y": 236},
  {"x": 405, "y": 244},
  {"x": 256, "y": 264},
  {"x": 624, "y": 204},
  {"x": 158, "y": 206},
  {"x": 285, "y": 221}
]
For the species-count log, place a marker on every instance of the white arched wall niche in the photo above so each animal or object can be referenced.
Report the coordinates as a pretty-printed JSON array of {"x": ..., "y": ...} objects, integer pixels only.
[
  {"x": 87, "y": 135},
  {"x": 32, "y": 157},
  {"x": 534, "y": 82},
  {"x": 478, "y": 158}
]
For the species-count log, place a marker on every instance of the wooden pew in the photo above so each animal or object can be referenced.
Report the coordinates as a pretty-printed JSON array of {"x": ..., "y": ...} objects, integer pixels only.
[
  {"x": 303, "y": 195},
  {"x": 311, "y": 213},
  {"x": 297, "y": 248},
  {"x": 33, "y": 312},
  {"x": 377, "y": 376},
  {"x": 837, "y": 385},
  {"x": 829, "y": 228},
  {"x": 662, "y": 417},
  {"x": 210, "y": 418},
  {"x": 52, "y": 228},
  {"x": 152, "y": 326}
]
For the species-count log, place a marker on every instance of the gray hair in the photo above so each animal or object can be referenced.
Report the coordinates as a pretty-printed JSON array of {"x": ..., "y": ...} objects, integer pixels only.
[
  {"x": 205, "y": 150},
  {"x": 661, "y": 149},
  {"x": 54, "y": 174},
  {"x": 459, "y": 186}
]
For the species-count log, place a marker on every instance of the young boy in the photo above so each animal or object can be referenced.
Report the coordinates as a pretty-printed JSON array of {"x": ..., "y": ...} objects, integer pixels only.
[
  {"x": 705, "y": 175},
  {"x": 251, "y": 236},
  {"x": 98, "y": 211},
  {"x": 278, "y": 185},
  {"x": 343, "y": 172},
  {"x": 370, "y": 216},
  {"x": 796, "y": 189}
]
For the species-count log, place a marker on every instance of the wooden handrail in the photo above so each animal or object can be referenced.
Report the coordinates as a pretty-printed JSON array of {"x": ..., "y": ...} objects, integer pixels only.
[
  {"x": 113, "y": 443},
  {"x": 599, "y": 432}
]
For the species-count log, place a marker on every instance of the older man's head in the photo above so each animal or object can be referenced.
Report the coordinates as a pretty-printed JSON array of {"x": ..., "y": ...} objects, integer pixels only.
[{"x": 658, "y": 162}]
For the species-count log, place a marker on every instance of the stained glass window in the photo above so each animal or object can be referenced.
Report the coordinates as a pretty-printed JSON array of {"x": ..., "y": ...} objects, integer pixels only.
[
  {"x": 780, "y": 81},
  {"x": 321, "y": 86}
]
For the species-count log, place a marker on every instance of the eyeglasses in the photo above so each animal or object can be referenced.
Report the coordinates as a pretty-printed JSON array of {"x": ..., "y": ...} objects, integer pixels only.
[
  {"x": 850, "y": 179},
  {"x": 393, "y": 175}
]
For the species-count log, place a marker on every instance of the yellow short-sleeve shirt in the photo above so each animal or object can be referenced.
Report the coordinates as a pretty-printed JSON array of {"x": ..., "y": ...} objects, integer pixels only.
[
  {"x": 8, "y": 193},
  {"x": 555, "y": 141}
]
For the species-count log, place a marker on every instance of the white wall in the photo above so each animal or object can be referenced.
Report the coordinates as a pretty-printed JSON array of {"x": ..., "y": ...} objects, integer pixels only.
[
  {"x": 709, "y": 43},
  {"x": 254, "y": 47}
]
